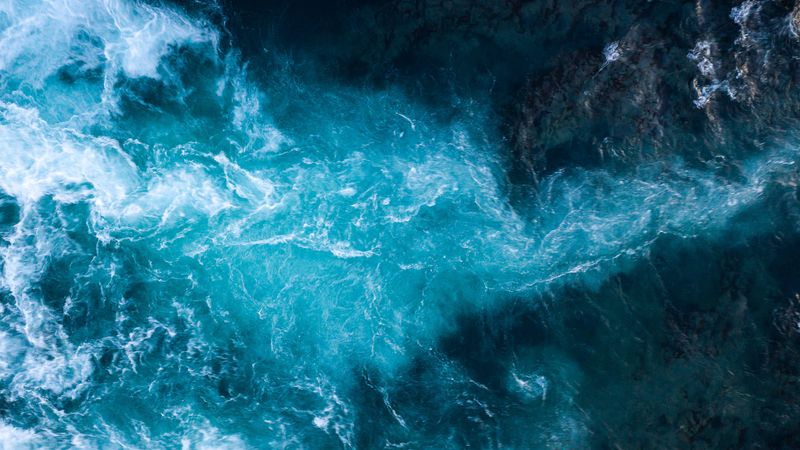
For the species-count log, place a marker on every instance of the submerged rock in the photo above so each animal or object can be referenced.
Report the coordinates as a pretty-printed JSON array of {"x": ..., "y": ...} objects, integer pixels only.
[{"x": 709, "y": 84}]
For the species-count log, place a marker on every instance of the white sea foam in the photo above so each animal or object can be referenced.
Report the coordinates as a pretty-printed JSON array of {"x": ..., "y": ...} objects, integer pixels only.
[
  {"x": 12, "y": 438},
  {"x": 39, "y": 159},
  {"x": 134, "y": 36}
]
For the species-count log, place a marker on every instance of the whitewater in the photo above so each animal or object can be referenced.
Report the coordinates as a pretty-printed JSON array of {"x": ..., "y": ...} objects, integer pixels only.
[{"x": 196, "y": 257}]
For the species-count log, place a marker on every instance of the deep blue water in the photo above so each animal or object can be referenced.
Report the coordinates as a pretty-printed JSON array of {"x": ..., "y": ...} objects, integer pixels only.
[{"x": 315, "y": 226}]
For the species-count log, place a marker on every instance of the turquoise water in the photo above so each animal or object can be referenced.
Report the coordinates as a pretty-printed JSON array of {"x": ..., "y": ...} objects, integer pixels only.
[{"x": 194, "y": 257}]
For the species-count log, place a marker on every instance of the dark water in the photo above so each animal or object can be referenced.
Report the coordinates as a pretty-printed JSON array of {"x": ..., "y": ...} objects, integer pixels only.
[{"x": 399, "y": 224}]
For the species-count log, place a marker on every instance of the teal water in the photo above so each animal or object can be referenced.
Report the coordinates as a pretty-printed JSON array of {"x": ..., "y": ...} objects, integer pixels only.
[{"x": 196, "y": 257}]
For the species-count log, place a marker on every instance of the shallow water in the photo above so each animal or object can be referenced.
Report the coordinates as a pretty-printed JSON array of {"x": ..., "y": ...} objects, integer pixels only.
[{"x": 197, "y": 256}]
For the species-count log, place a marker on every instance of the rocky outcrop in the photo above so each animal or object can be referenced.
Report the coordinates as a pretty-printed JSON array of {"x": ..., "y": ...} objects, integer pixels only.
[{"x": 708, "y": 84}]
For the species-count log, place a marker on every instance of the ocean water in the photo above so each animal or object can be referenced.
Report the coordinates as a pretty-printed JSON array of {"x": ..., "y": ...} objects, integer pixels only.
[{"x": 206, "y": 247}]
